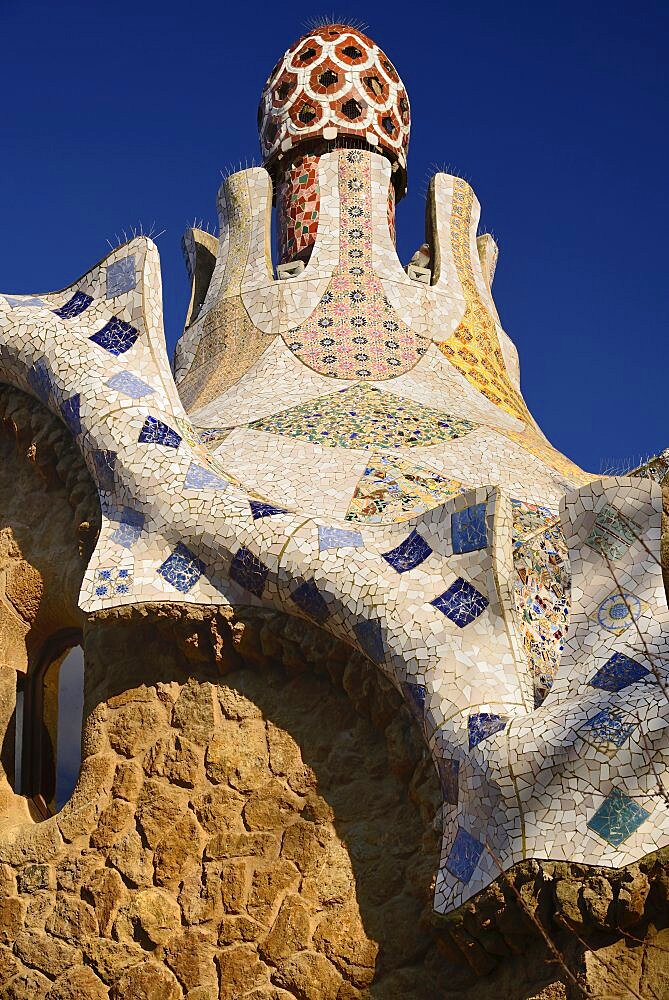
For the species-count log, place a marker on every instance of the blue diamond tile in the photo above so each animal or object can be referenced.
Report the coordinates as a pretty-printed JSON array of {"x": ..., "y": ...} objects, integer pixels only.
[
  {"x": 116, "y": 336},
  {"x": 449, "y": 775},
  {"x": 182, "y": 569},
  {"x": 31, "y": 302},
  {"x": 617, "y": 818},
  {"x": 310, "y": 600},
  {"x": 259, "y": 509},
  {"x": 121, "y": 277},
  {"x": 129, "y": 385},
  {"x": 415, "y": 696},
  {"x": 370, "y": 639},
  {"x": 104, "y": 463},
  {"x": 199, "y": 478},
  {"x": 130, "y": 524},
  {"x": 70, "y": 411},
  {"x": 41, "y": 380},
  {"x": 462, "y": 603},
  {"x": 338, "y": 538},
  {"x": 617, "y": 673},
  {"x": 468, "y": 529},
  {"x": 155, "y": 431},
  {"x": 249, "y": 572},
  {"x": 465, "y": 855},
  {"x": 608, "y": 726},
  {"x": 483, "y": 725},
  {"x": 76, "y": 305},
  {"x": 410, "y": 553}
]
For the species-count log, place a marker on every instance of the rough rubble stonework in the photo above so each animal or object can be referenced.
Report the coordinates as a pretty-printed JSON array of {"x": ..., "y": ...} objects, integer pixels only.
[{"x": 374, "y": 676}]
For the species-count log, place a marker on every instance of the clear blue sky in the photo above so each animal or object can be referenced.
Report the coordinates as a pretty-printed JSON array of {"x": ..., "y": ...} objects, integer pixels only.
[{"x": 556, "y": 113}]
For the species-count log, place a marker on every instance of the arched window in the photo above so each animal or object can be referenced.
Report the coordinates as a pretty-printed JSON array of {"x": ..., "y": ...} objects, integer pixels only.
[{"x": 49, "y": 723}]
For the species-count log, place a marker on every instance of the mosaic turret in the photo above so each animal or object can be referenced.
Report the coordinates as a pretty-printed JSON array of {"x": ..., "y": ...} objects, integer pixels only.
[{"x": 346, "y": 440}]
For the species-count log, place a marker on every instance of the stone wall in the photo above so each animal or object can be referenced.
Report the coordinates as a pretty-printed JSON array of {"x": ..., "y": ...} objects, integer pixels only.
[{"x": 257, "y": 815}]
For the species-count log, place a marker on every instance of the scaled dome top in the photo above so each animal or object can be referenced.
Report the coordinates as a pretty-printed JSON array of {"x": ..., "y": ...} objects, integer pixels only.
[{"x": 334, "y": 82}]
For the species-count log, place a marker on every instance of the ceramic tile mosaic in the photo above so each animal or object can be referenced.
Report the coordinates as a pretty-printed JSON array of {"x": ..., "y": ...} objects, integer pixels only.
[
  {"x": 396, "y": 489},
  {"x": 618, "y": 672},
  {"x": 74, "y": 306},
  {"x": 116, "y": 336},
  {"x": 469, "y": 531},
  {"x": 464, "y": 855},
  {"x": 482, "y": 726},
  {"x": 607, "y": 729},
  {"x": 364, "y": 417},
  {"x": 619, "y": 611},
  {"x": 129, "y": 385},
  {"x": 300, "y": 202},
  {"x": 462, "y": 603},
  {"x": 121, "y": 277},
  {"x": 410, "y": 553},
  {"x": 358, "y": 453},
  {"x": 541, "y": 590},
  {"x": 617, "y": 818},
  {"x": 611, "y": 533}
]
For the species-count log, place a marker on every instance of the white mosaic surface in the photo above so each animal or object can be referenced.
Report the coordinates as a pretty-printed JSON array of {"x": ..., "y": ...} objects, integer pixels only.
[{"x": 379, "y": 507}]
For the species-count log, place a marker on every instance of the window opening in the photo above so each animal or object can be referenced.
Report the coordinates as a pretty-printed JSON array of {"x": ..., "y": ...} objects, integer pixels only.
[
  {"x": 306, "y": 114},
  {"x": 70, "y": 720},
  {"x": 328, "y": 78},
  {"x": 351, "y": 109},
  {"x": 352, "y": 52},
  {"x": 49, "y": 760},
  {"x": 18, "y": 733}
]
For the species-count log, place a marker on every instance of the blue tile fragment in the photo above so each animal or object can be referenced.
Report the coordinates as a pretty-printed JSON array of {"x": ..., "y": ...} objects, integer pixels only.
[
  {"x": 410, "y": 553},
  {"x": 468, "y": 529},
  {"x": 608, "y": 726},
  {"x": 155, "y": 431},
  {"x": 618, "y": 672},
  {"x": 41, "y": 380},
  {"x": 617, "y": 818},
  {"x": 370, "y": 639},
  {"x": 200, "y": 478},
  {"x": 249, "y": 571},
  {"x": 338, "y": 538},
  {"x": 75, "y": 306},
  {"x": 260, "y": 509},
  {"x": 129, "y": 385},
  {"x": 104, "y": 464},
  {"x": 121, "y": 277},
  {"x": 415, "y": 696},
  {"x": 182, "y": 569},
  {"x": 462, "y": 603},
  {"x": 130, "y": 524},
  {"x": 483, "y": 725},
  {"x": 71, "y": 414},
  {"x": 465, "y": 855},
  {"x": 116, "y": 336},
  {"x": 310, "y": 600},
  {"x": 30, "y": 302}
]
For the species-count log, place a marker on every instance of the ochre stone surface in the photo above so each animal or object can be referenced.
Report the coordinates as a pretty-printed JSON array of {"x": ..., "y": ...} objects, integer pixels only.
[{"x": 256, "y": 814}]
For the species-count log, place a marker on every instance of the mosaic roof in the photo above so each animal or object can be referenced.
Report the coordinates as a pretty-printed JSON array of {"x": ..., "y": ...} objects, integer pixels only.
[{"x": 346, "y": 441}]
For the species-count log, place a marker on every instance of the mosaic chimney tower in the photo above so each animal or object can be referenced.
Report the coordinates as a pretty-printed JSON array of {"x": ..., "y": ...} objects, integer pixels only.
[{"x": 343, "y": 439}]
